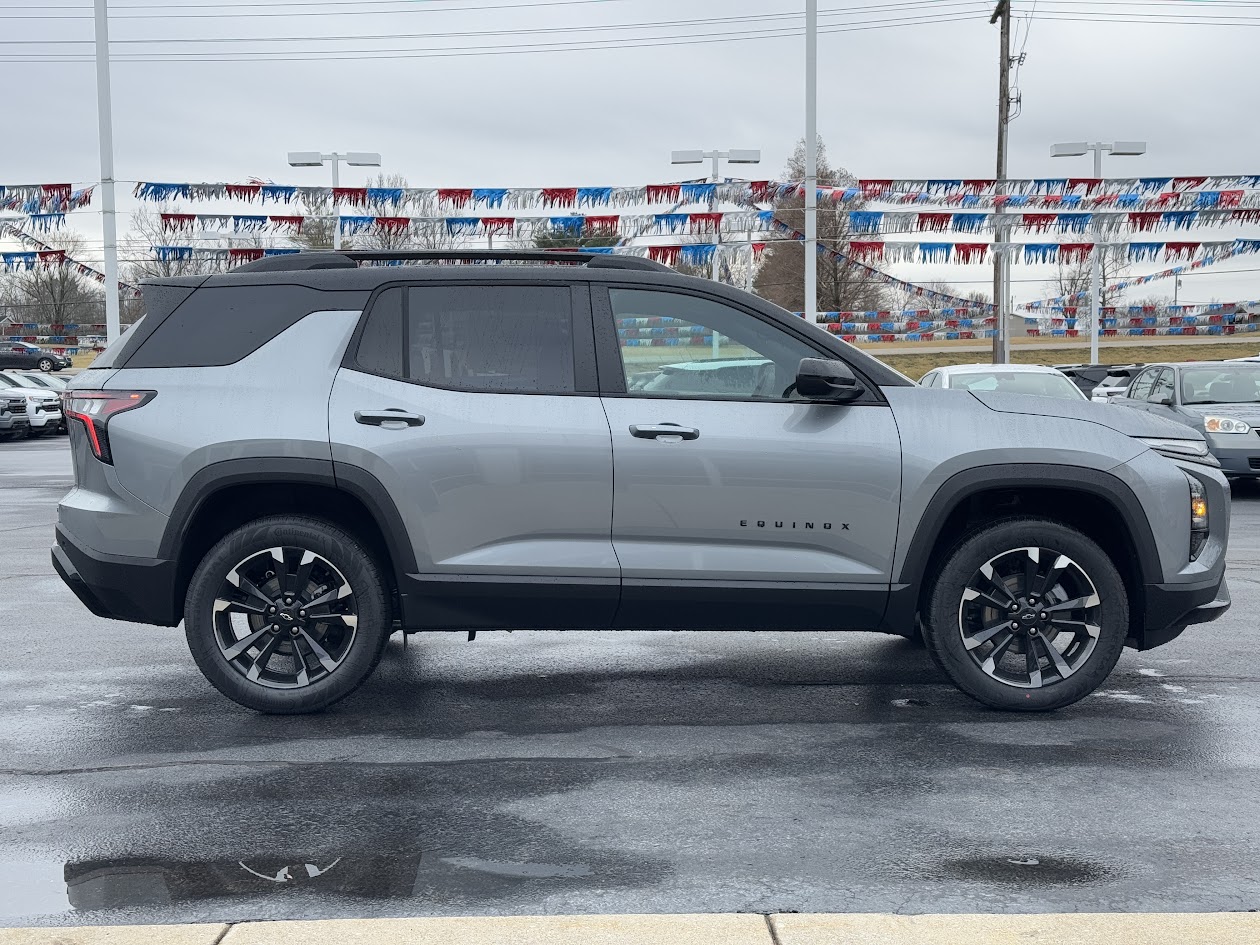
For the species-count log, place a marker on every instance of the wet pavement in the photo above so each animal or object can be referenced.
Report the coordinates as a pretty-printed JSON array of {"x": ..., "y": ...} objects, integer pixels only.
[{"x": 606, "y": 772}]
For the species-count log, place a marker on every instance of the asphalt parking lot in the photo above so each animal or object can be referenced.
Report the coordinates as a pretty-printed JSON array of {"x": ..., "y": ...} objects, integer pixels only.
[{"x": 606, "y": 772}]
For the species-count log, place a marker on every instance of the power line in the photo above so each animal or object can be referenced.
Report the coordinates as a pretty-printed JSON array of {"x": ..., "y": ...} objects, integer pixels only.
[
  {"x": 714, "y": 21},
  {"x": 470, "y": 51},
  {"x": 470, "y": 8}
]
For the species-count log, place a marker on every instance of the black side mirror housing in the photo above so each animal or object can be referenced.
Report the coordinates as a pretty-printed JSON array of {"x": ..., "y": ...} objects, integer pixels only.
[{"x": 822, "y": 379}]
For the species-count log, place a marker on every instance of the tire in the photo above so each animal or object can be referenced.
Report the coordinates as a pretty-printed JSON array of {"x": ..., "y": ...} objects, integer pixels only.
[
  {"x": 45, "y": 365},
  {"x": 967, "y": 633},
  {"x": 336, "y": 654}
]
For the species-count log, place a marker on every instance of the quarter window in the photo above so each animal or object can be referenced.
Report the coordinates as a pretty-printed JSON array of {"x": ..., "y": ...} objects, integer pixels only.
[
  {"x": 1163, "y": 386},
  {"x": 676, "y": 346},
  {"x": 380, "y": 345},
  {"x": 1141, "y": 386}
]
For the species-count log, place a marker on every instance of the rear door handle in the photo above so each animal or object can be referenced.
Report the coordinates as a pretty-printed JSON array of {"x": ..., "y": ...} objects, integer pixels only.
[
  {"x": 650, "y": 431},
  {"x": 391, "y": 415}
]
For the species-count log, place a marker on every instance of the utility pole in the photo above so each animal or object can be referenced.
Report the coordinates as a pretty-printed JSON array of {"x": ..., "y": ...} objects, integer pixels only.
[{"x": 1002, "y": 257}]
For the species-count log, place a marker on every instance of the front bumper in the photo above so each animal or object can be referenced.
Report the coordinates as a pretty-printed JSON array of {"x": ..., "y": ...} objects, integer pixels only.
[
  {"x": 1170, "y": 608},
  {"x": 1237, "y": 460},
  {"x": 141, "y": 590}
]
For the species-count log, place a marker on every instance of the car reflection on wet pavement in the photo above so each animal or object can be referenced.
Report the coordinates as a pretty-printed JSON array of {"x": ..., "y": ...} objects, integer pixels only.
[{"x": 607, "y": 772}]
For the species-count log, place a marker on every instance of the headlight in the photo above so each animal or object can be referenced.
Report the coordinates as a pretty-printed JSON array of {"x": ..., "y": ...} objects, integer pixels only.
[
  {"x": 1198, "y": 515},
  {"x": 1225, "y": 425},
  {"x": 1193, "y": 451}
]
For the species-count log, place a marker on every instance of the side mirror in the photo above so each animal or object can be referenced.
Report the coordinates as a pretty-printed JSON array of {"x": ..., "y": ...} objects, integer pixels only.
[
  {"x": 1164, "y": 402},
  {"x": 821, "y": 379}
]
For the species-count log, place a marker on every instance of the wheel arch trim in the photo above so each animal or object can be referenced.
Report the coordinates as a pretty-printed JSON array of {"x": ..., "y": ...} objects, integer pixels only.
[
  {"x": 969, "y": 482},
  {"x": 280, "y": 470}
]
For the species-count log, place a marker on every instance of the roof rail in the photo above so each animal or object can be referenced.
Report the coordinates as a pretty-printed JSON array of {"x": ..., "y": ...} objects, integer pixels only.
[{"x": 350, "y": 259}]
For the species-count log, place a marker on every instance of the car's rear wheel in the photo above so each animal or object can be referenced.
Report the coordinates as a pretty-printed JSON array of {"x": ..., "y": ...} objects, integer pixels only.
[
  {"x": 1027, "y": 614},
  {"x": 45, "y": 364},
  {"x": 287, "y": 615}
]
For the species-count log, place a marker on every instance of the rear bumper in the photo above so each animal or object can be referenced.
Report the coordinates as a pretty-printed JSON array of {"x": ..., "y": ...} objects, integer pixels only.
[
  {"x": 140, "y": 590},
  {"x": 1170, "y": 608}
]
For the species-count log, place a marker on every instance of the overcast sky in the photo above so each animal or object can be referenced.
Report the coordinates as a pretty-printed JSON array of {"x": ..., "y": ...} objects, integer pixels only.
[{"x": 912, "y": 101}]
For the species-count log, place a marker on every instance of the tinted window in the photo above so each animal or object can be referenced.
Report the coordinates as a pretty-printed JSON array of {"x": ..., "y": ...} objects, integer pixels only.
[
  {"x": 1116, "y": 380},
  {"x": 675, "y": 345},
  {"x": 381, "y": 344},
  {"x": 491, "y": 338},
  {"x": 221, "y": 324},
  {"x": 1141, "y": 385},
  {"x": 1163, "y": 386}
]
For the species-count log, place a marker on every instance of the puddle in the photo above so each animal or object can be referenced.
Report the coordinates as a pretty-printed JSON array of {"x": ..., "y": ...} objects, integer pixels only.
[
  {"x": 31, "y": 889},
  {"x": 534, "y": 870},
  {"x": 1028, "y": 870}
]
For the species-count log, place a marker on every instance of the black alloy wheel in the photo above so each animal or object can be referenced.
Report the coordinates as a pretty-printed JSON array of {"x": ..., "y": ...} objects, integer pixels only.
[
  {"x": 1027, "y": 614},
  {"x": 287, "y": 614},
  {"x": 1030, "y": 617},
  {"x": 285, "y": 618}
]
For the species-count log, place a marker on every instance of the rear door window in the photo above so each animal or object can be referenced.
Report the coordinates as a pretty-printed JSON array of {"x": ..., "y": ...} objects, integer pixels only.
[{"x": 502, "y": 338}]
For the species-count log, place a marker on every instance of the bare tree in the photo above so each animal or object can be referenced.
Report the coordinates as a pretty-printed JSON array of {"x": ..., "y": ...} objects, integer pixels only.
[
  {"x": 51, "y": 294},
  {"x": 1073, "y": 277},
  {"x": 318, "y": 233},
  {"x": 841, "y": 285}
]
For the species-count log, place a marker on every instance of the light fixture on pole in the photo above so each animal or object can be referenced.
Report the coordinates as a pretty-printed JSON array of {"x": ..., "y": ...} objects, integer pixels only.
[
  {"x": 318, "y": 159},
  {"x": 1077, "y": 149},
  {"x": 733, "y": 156},
  {"x": 105, "y": 125}
]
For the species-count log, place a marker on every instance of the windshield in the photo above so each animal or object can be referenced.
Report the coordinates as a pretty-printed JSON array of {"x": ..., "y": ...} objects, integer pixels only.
[
  {"x": 47, "y": 382},
  {"x": 17, "y": 380},
  {"x": 1019, "y": 382},
  {"x": 1221, "y": 384}
]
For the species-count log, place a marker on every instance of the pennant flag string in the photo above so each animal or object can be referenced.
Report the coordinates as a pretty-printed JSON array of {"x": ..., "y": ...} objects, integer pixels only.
[
  {"x": 1123, "y": 193},
  {"x": 44, "y": 198},
  {"x": 51, "y": 255}
]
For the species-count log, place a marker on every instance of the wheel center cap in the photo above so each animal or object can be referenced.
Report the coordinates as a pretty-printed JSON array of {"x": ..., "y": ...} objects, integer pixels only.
[
  {"x": 1029, "y": 616},
  {"x": 286, "y": 616}
]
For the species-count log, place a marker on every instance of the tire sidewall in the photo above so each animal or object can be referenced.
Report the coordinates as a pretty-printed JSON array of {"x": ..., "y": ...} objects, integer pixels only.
[
  {"x": 349, "y": 557},
  {"x": 944, "y": 639}
]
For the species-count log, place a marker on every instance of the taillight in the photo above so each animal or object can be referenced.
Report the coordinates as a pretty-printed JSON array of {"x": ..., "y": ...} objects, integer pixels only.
[{"x": 93, "y": 408}]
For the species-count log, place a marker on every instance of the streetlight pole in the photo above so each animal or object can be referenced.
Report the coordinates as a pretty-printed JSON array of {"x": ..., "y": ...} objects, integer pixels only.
[
  {"x": 318, "y": 159},
  {"x": 105, "y": 123},
  {"x": 811, "y": 161},
  {"x": 733, "y": 156},
  {"x": 1076, "y": 149}
]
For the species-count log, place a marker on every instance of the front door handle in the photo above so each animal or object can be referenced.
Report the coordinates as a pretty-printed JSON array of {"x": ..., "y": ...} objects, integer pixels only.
[
  {"x": 391, "y": 415},
  {"x": 650, "y": 431}
]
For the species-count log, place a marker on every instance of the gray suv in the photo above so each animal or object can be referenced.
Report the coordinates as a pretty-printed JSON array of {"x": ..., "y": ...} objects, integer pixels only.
[{"x": 305, "y": 455}]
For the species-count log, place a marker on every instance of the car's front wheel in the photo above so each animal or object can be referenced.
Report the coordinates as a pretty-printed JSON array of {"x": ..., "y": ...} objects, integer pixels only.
[
  {"x": 1027, "y": 614},
  {"x": 287, "y": 615},
  {"x": 45, "y": 364}
]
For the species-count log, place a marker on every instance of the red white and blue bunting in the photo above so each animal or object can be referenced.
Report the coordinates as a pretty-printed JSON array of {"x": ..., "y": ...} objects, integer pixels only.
[
  {"x": 861, "y": 222},
  {"x": 44, "y": 198},
  {"x": 41, "y": 254},
  {"x": 1209, "y": 192}
]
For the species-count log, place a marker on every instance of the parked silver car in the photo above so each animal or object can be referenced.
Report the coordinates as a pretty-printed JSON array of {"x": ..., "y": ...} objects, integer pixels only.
[
  {"x": 1220, "y": 399},
  {"x": 298, "y": 457}
]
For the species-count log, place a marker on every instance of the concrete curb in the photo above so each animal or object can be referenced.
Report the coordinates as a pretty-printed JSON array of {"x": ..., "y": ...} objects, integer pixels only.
[{"x": 1234, "y": 928}]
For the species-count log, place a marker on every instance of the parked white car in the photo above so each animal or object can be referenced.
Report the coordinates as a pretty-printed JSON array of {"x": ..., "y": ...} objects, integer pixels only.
[
  {"x": 1012, "y": 378},
  {"x": 43, "y": 406}
]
